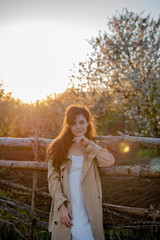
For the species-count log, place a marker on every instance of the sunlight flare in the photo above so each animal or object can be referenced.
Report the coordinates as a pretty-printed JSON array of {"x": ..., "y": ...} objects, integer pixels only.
[{"x": 124, "y": 147}]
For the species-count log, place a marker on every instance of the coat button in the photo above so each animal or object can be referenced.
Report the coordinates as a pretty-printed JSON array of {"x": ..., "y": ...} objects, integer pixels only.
[{"x": 56, "y": 223}]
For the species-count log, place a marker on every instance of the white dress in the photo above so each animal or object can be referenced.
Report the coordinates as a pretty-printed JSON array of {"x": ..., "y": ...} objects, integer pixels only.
[{"x": 81, "y": 229}]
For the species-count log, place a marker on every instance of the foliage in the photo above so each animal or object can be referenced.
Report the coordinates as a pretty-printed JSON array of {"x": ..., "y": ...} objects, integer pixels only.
[
  {"x": 122, "y": 73},
  {"x": 148, "y": 153},
  {"x": 126, "y": 234},
  {"x": 18, "y": 119},
  {"x": 17, "y": 229},
  {"x": 119, "y": 82}
]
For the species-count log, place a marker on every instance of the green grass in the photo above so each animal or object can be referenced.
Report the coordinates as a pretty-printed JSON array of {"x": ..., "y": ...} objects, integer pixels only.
[
  {"x": 40, "y": 234},
  {"x": 9, "y": 233},
  {"x": 131, "y": 234},
  {"x": 3, "y": 170},
  {"x": 6, "y": 194}
]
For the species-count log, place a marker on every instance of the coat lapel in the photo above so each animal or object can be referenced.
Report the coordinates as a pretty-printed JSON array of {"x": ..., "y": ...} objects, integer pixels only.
[
  {"x": 63, "y": 166},
  {"x": 88, "y": 160}
]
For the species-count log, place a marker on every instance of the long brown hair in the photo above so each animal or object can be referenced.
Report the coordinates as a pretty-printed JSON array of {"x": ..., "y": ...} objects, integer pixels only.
[{"x": 59, "y": 147}]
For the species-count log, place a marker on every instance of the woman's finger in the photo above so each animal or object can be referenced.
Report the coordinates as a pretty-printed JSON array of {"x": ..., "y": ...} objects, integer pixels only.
[
  {"x": 68, "y": 223},
  {"x": 81, "y": 140},
  {"x": 78, "y": 138},
  {"x": 64, "y": 221},
  {"x": 70, "y": 215}
]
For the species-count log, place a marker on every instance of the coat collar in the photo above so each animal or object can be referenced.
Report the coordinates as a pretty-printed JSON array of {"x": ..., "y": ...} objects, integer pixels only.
[{"x": 87, "y": 162}]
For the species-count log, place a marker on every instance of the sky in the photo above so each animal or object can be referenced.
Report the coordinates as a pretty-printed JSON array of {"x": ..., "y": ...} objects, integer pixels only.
[{"x": 41, "y": 40}]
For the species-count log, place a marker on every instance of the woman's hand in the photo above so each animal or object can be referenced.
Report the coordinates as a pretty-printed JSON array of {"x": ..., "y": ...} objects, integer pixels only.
[
  {"x": 82, "y": 140},
  {"x": 65, "y": 216}
]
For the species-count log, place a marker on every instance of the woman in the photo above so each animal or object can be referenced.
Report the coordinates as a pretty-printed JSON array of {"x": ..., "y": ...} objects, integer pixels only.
[{"x": 73, "y": 177}]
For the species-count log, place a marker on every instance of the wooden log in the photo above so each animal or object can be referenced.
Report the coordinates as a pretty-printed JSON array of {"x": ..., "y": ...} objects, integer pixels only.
[
  {"x": 28, "y": 165},
  {"x": 35, "y": 176},
  {"x": 136, "y": 142},
  {"x": 42, "y": 224},
  {"x": 140, "y": 225},
  {"x": 12, "y": 226},
  {"x": 135, "y": 170},
  {"x": 15, "y": 192},
  {"x": 23, "y": 188},
  {"x": 108, "y": 141},
  {"x": 23, "y": 142},
  {"x": 112, "y": 214},
  {"x": 142, "y": 212},
  {"x": 14, "y": 203},
  {"x": 23, "y": 206},
  {"x": 16, "y": 142},
  {"x": 15, "y": 185},
  {"x": 22, "y": 218}
]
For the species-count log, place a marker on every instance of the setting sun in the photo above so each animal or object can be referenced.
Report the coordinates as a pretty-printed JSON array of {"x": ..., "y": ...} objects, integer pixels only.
[
  {"x": 42, "y": 40},
  {"x": 38, "y": 60}
]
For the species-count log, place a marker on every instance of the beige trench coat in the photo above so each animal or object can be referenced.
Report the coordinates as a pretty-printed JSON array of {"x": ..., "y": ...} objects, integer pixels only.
[{"x": 58, "y": 183}]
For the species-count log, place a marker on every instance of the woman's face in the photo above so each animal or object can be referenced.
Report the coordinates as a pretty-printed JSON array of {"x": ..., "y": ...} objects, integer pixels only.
[{"x": 79, "y": 128}]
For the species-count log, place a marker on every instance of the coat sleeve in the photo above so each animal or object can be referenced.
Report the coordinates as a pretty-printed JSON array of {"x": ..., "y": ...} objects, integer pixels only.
[
  {"x": 55, "y": 186},
  {"x": 104, "y": 157}
]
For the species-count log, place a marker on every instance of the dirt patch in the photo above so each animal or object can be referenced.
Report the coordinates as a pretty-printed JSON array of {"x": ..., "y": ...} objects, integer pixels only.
[
  {"x": 131, "y": 191},
  {"x": 125, "y": 191}
]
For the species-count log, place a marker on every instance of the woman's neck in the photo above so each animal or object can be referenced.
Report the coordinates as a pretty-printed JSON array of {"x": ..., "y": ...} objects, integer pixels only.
[{"x": 77, "y": 150}]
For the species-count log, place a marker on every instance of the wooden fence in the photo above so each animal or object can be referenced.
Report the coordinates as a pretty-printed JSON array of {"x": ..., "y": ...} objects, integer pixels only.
[{"x": 151, "y": 216}]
